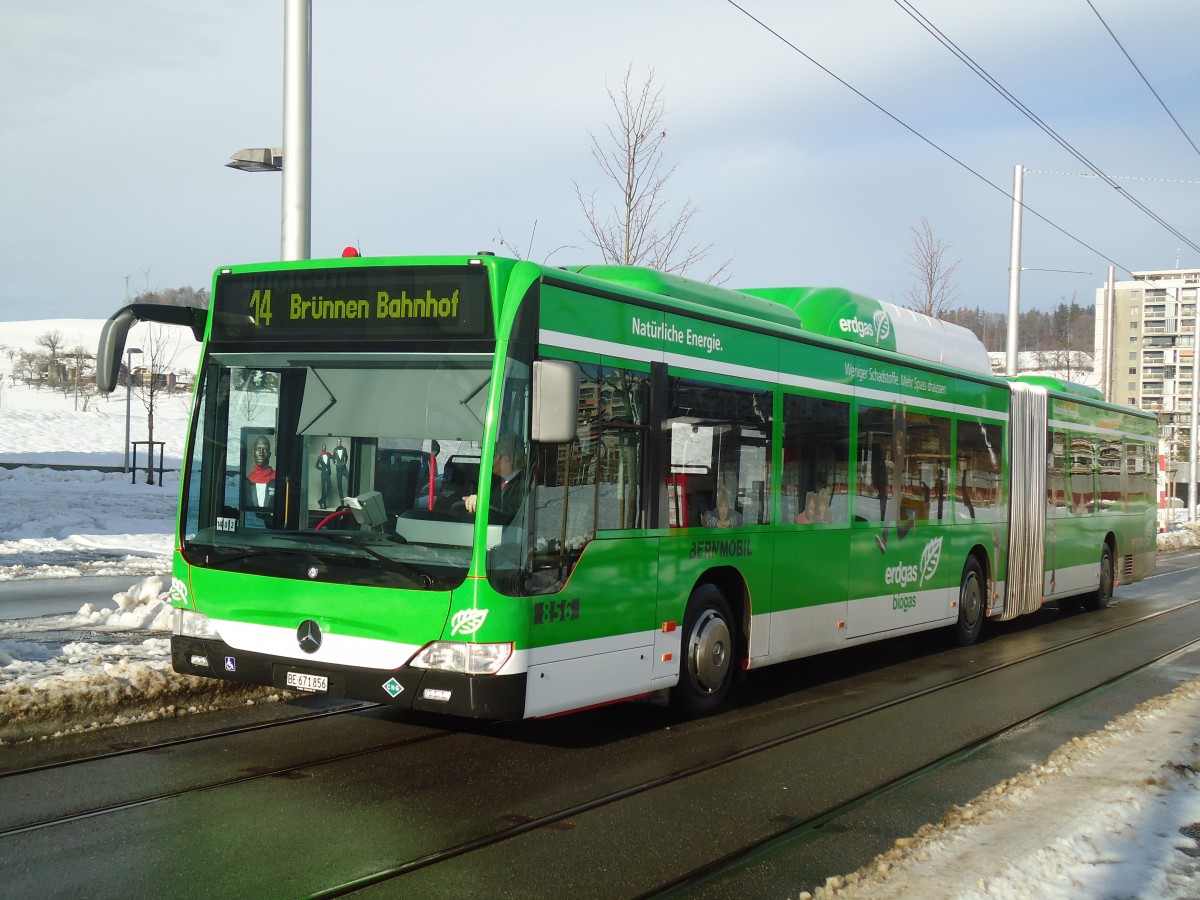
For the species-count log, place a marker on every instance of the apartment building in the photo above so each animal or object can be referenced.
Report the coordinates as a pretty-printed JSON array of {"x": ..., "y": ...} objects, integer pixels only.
[{"x": 1152, "y": 347}]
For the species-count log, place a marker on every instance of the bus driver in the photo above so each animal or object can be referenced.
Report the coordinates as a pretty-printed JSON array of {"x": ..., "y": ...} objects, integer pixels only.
[{"x": 508, "y": 482}]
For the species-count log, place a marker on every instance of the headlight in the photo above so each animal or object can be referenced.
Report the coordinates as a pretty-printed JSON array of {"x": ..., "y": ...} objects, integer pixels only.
[
  {"x": 189, "y": 623},
  {"x": 456, "y": 656}
]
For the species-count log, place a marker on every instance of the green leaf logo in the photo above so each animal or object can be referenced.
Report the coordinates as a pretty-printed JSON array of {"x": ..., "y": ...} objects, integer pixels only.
[
  {"x": 930, "y": 557},
  {"x": 178, "y": 595},
  {"x": 467, "y": 621}
]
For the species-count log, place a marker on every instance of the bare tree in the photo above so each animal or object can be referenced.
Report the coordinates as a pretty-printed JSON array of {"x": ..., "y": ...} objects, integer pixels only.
[
  {"x": 160, "y": 347},
  {"x": 934, "y": 292},
  {"x": 29, "y": 365},
  {"x": 53, "y": 342},
  {"x": 638, "y": 228},
  {"x": 83, "y": 361}
]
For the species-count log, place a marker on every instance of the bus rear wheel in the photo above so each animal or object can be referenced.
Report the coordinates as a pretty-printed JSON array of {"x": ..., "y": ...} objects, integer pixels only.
[
  {"x": 970, "y": 604},
  {"x": 706, "y": 655},
  {"x": 1104, "y": 590}
]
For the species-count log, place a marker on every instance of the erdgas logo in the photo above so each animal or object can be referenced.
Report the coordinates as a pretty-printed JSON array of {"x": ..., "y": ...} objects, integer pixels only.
[
  {"x": 883, "y": 326},
  {"x": 857, "y": 326},
  {"x": 879, "y": 328},
  {"x": 902, "y": 575},
  {"x": 930, "y": 557}
]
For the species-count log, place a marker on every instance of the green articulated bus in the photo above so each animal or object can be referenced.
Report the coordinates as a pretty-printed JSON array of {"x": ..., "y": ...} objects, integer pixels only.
[{"x": 491, "y": 488}]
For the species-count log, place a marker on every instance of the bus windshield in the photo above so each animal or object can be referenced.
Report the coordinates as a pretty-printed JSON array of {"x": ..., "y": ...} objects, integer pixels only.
[{"x": 339, "y": 466}]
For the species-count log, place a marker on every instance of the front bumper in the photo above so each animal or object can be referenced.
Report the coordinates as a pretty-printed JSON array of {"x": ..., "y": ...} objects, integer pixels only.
[{"x": 475, "y": 696}]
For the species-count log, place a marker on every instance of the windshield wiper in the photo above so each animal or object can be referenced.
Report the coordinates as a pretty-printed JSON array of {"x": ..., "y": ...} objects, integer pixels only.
[
  {"x": 411, "y": 572},
  {"x": 215, "y": 555}
]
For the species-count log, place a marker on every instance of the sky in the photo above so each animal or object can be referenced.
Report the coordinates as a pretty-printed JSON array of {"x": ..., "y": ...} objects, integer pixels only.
[
  {"x": 437, "y": 127},
  {"x": 1102, "y": 816}
]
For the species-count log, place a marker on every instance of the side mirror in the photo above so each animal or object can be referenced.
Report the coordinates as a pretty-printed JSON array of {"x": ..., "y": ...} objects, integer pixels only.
[
  {"x": 112, "y": 336},
  {"x": 555, "y": 401}
]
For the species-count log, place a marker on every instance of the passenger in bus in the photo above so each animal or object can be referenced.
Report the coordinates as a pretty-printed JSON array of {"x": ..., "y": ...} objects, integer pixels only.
[
  {"x": 816, "y": 508},
  {"x": 508, "y": 481},
  {"x": 723, "y": 516},
  {"x": 260, "y": 480}
]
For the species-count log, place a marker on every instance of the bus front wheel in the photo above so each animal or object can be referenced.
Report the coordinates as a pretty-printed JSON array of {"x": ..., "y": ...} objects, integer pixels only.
[
  {"x": 706, "y": 655},
  {"x": 970, "y": 604}
]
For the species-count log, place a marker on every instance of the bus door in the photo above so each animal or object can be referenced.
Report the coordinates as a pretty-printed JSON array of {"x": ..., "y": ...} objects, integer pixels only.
[
  {"x": 897, "y": 576},
  {"x": 812, "y": 538}
]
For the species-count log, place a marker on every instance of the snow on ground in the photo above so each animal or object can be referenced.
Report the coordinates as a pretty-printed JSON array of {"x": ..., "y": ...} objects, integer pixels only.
[
  {"x": 1112, "y": 814},
  {"x": 109, "y": 662},
  {"x": 1115, "y": 813}
]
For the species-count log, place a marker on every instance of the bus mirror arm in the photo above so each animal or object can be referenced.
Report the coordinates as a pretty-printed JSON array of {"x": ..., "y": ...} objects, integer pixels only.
[
  {"x": 116, "y": 329},
  {"x": 555, "y": 401}
]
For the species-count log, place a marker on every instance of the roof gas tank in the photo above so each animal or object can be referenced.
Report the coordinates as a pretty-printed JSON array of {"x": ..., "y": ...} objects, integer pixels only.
[{"x": 838, "y": 313}]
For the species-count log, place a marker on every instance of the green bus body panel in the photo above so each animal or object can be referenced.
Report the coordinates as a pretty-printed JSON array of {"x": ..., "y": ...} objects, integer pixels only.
[
  {"x": 378, "y": 613},
  {"x": 1073, "y": 540},
  {"x": 654, "y": 332},
  {"x": 609, "y": 583}
]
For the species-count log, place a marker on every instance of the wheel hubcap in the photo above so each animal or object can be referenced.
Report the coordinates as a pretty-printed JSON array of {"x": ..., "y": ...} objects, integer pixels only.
[
  {"x": 709, "y": 651},
  {"x": 971, "y": 602}
]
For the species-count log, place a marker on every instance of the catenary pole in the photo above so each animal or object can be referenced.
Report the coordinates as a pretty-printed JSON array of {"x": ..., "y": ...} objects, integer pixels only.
[{"x": 1014, "y": 273}]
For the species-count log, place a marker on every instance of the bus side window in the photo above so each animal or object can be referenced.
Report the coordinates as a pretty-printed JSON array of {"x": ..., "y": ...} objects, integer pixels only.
[
  {"x": 816, "y": 461},
  {"x": 720, "y": 441}
]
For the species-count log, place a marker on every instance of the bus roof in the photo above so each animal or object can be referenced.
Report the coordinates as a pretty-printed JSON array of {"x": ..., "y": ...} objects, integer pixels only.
[
  {"x": 664, "y": 284},
  {"x": 838, "y": 313},
  {"x": 1057, "y": 384},
  {"x": 827, "y": 311}
]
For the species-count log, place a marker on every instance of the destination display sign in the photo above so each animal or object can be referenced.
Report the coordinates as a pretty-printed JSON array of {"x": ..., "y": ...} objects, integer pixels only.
[{"x": 360, "y": 303}]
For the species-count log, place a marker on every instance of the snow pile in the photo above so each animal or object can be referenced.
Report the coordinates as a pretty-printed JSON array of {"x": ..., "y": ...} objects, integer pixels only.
[
  {"x": 1182, "y": 538},
  {"x": 1115, "y": 813},
  {"x": 99, "y": 667},
  {"x": 143, "y": 606}
]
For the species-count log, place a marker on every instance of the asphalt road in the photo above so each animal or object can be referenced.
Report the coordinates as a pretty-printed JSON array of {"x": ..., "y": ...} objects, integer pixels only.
[{"x": 617, "y": 802}]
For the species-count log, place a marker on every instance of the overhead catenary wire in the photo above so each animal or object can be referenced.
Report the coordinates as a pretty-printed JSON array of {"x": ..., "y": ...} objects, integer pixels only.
[
  {"x": 1145, "y": 80},
  {"x": 946, "y": 153},
  {"x": 933, "y": 30},
  {"x": 1118, "y": 177}
]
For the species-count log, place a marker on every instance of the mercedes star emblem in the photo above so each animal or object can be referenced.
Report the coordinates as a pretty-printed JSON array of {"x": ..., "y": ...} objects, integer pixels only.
[{"x": 308, "y": 636}]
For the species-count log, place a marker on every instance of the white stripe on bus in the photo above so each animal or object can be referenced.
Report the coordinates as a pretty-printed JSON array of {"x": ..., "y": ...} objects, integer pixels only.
[{"x": 736, "y": 370}]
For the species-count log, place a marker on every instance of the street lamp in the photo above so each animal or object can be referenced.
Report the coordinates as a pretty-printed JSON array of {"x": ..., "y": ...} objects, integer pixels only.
[
  {"x": 129, "y": 351},
  {"x": 257, "y": 159}
]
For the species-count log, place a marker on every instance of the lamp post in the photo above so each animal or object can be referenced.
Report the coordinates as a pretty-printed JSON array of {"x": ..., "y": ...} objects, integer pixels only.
[
  {"x": 295, "y": 225},
  {"x": 129, "y": 351}
]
